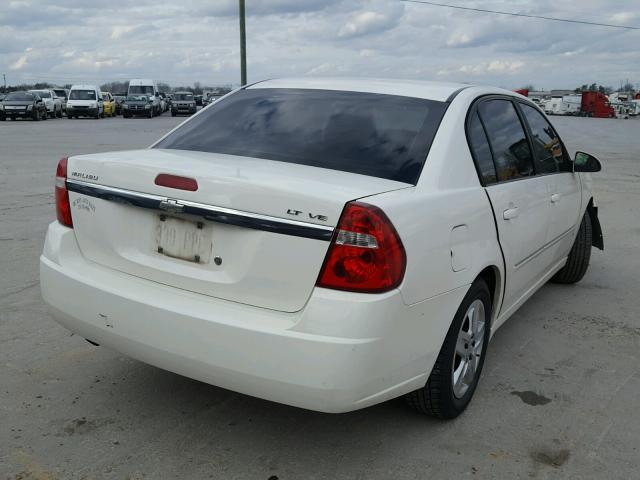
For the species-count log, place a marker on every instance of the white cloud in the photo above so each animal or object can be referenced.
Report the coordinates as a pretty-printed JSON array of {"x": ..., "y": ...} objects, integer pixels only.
[
  {"x": 197, "y": 40},
  {"x": 19, "y": 64}
]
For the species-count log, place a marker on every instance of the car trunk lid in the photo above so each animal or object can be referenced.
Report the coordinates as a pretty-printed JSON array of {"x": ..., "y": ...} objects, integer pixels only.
[{"x": 254, "y": 231}]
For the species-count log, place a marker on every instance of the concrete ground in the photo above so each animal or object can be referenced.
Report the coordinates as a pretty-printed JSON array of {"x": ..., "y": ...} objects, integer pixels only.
[{"x": 558, "y": 397}]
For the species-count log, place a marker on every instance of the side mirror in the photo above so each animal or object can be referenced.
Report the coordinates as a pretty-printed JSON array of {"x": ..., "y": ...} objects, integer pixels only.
[{"x": 583, "y": 162}]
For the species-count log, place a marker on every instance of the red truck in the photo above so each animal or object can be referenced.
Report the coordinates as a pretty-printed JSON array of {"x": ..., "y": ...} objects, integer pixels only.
[{"x": 596, "y": 104}]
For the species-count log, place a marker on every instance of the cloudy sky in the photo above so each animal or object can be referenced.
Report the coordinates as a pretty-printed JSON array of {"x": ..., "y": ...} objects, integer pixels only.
[{"x": 179, "y": 42}]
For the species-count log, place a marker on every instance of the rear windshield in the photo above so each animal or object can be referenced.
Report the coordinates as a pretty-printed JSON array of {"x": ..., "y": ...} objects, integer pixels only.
[
  {"x": 42, "y": 93},
  {"x": 82, "y": 95},
  {"x": 140, "y": 89},
  {"x": 384, "y": 136}
]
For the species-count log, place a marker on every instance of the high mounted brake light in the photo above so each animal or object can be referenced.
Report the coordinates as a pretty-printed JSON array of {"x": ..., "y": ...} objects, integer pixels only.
[
  {"x": 63, "y": 206},
  {"x": 366, "y": 254}
]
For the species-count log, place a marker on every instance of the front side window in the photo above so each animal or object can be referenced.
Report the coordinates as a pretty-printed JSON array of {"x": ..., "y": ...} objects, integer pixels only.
[
  {"x": 384, "y": 136},
  {"x": 511, "y": 151},
  {"x": 481, "y": 150},
  {"x": 547, "y": 147}
]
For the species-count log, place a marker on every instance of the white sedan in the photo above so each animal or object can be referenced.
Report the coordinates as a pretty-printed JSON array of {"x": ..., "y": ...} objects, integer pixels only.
[{"x": 324, "y": 243}]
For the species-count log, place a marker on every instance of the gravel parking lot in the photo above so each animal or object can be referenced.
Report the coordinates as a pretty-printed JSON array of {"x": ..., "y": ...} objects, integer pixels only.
[{"x": 558, "y": 397}]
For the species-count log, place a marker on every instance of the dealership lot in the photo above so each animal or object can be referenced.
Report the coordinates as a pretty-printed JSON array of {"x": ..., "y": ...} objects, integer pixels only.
[{"x": 558, "y": 397}]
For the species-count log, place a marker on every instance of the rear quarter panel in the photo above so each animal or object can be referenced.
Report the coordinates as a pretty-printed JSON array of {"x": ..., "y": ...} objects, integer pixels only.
[{"x": 448, "y": 195}]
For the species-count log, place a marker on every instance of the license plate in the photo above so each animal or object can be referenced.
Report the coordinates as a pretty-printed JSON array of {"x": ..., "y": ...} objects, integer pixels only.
[{"x": 184, "y": 239}]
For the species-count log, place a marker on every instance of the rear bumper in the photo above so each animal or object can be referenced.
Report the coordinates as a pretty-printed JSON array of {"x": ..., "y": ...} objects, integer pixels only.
[{"x": 341, "y": 352}]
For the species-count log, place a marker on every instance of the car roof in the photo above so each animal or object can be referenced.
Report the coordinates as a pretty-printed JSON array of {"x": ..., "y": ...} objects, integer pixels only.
[
  {"x": 439, "y": 91},
  {"x": 83, "y": 87}
]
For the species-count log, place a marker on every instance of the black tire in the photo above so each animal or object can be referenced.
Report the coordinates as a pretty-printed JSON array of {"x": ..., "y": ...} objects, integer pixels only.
[
  {"x": 173, "y": 114},
  {"x": 437, "y": 397},
  {"x": 2, "y": 119},
  {"x": 45, "y": 116},
  {"x": 36, "y": 115},
  {"x": 579, "y": 256}
]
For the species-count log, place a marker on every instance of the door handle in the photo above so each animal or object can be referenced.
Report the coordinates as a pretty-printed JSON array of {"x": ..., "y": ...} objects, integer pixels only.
[
  {"x": 555, "y": 198},
  {"x": 510, "y": 213}
]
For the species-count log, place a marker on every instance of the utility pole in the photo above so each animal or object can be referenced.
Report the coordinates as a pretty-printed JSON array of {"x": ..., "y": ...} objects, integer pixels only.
[
  {"x": 243, "y": 46},
  {"x": 4, "y": 77}
]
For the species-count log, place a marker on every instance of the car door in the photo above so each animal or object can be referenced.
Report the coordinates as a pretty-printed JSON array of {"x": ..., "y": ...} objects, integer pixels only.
[
  {"x": 519, "y": 198},
  {"x": 565, "y": 192}
]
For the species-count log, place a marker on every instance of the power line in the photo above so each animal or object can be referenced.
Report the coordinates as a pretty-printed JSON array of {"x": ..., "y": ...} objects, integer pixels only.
[{"x": 513, "y": 14}]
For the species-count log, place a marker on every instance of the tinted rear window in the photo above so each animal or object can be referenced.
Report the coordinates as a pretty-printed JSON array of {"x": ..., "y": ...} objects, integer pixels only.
[{"x": 383, "y": 136}]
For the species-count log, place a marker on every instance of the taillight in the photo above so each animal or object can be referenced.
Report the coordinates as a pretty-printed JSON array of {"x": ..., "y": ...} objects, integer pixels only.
[
  {"x": 63, "y": 207},
  {"x": 366, "y": 254}
]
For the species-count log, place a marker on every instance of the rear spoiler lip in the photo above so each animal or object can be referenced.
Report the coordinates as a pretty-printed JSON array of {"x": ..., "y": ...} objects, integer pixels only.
[{"x": 228, "y": 216}]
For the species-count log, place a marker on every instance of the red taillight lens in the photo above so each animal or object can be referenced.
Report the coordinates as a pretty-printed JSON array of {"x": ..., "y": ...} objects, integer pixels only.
[
  {"x": 176, "y": 181},
  {"x": 63, "y": 207},
  {"x": 366, "y": 254}
]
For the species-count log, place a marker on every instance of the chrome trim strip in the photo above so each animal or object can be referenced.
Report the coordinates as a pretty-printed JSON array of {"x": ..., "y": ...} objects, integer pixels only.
[
  {"x": 543, "y": 248},
  {"x": 224, "y": 215}
]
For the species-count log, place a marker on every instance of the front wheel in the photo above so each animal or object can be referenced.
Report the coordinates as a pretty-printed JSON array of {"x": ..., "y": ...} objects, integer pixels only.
[
  {"x": 455, "y": 374},
  {"x": 579, "y": 256}
]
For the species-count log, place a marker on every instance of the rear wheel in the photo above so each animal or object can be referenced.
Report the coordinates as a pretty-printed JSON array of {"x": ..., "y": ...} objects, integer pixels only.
[
  {"x": 36, "y": 115},
  {"x": 455, "y": 374},
  {"x": 579, "y": 256}
]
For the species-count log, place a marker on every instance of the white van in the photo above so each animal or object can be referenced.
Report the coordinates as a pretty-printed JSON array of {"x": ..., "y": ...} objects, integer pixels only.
[
  {"x": 145, "y": 86},
  {"x": 85, "y": 101}
]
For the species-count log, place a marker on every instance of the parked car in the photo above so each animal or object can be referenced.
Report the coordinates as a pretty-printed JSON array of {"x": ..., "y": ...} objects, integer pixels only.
[
  {"x": 2, "y": 95},
  {"x": 51, "y": 102},
  {"x": 327, "y": 244},
  {"x": 148, "y": 87},
  {"x": 22, "y": 105},
  {"x": 63, "y": 95},
  {"x": 119, "y": 99},
  {"x": 183, "y": 104},
  {"x": 109, "y": 104},
  {"x": 198, "y": 99},
  {"x": 138, "y": 105},
  {"x": 164, "y": 101},
  {"x": 85, "y": 101}
]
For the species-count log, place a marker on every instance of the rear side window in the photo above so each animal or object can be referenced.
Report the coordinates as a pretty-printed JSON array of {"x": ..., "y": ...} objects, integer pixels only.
[
  {"x": 508, "y": 141},
  {"x": 384, "y": 136},
  {"x": 481, "y": 150},
  {"x": 547, "y": 148}
]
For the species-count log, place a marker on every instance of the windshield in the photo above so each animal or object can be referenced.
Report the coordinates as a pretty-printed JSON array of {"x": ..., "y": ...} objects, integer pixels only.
[
  {"x": 183, "y": 96},
  {"x": 137, "y": 98},
  {"x": 138, "y": 89},
  {"x": 42, "y": 93},
  {"x": 371, "y": 134},
  {"x": 20, "y": 97},
  {"x": 82, "y": 95}
]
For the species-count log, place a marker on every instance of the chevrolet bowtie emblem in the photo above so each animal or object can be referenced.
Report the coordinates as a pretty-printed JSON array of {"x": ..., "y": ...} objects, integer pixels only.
[{"x": 171, "y": 206}]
